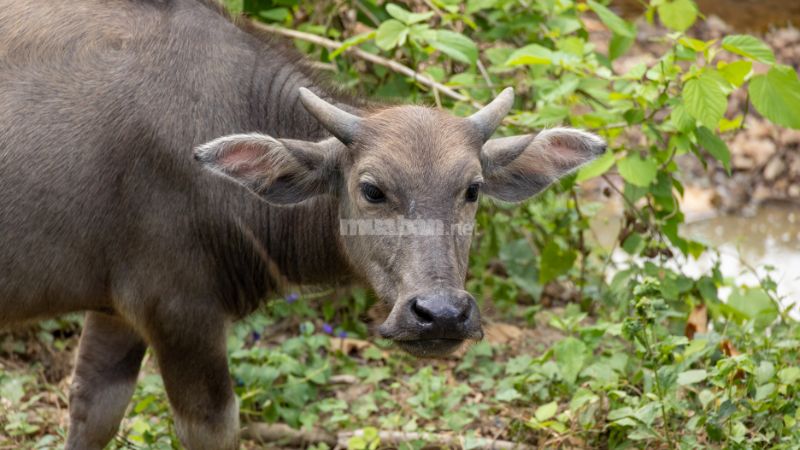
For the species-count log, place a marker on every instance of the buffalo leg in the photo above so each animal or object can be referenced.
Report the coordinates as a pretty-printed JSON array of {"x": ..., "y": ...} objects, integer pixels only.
[
  {"x": 193, "y": 362},
  {"x": 109, "y": 358}
]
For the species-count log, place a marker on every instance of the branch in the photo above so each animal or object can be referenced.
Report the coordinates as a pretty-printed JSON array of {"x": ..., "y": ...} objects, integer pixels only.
[
  {"x": 396, "y": 438},
  {"x": 279, "y": 432},
  {"x": 375, "y": 59},
  {"x": 272, "y": 433}
]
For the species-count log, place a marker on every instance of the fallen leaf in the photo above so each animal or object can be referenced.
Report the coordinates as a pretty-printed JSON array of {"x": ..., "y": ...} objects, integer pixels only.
[
  {"x": 349, "y": 346},
  {"x": 697, "y": 321},
  {"x": 502, "y": 333}
]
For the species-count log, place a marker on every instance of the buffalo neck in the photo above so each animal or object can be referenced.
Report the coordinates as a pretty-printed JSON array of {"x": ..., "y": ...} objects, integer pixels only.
[{"x": 302, "y": 240}]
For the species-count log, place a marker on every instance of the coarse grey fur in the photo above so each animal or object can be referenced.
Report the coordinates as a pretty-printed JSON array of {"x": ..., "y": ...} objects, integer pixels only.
[{"x": 105, "y": 206}]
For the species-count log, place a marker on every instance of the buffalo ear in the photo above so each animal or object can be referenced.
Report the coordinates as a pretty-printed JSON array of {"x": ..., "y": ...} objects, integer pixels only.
[
  {"x": 280, "y": 171},
  {"x": 518, "y": 167}
]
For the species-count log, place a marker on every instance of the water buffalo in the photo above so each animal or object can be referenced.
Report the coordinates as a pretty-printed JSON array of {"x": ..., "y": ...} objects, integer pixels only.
[{"x": 163, "y": 168}]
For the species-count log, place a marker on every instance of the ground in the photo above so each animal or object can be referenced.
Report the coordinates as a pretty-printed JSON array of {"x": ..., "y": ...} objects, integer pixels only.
[{"x": 36, "y": 363}]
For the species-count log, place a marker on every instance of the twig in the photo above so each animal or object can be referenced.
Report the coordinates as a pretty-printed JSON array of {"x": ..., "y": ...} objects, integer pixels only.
[
  {"x": 375, "y": 59},
  {"x": 343, "y": 378},
  {"x": 395, "y": 438},
  {"x": 621, "y": 194},
  {"x": 270, "y": 433},
  {"x": 581, "y": 245},
  {"x": 264, "y": 433},
  {"x": 485, "y": 75}
]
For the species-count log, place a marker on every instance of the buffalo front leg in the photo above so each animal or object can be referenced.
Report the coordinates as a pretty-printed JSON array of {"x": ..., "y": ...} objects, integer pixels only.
[
  {"x": 109, "y": 357},
  {"x": 192, "y": 358}
]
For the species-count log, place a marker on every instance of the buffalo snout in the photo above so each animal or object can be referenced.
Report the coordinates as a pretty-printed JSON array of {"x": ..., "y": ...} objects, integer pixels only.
[{"x": 433, "y": 323}]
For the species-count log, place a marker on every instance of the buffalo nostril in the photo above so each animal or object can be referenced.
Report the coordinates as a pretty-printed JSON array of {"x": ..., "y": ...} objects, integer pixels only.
[
  {"x": 423, "y": 314},
  {"x": 464, "y": 315}
]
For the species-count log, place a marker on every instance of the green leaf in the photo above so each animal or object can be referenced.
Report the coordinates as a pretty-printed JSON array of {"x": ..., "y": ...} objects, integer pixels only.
[
  {"x": 776, "y": 96},
  {"x": 692, "y": 377},
  {"x": 521, "y": 265},
  {"x": 352, "y": 41},
  {"x": 695, "y": 44},
  {"x": 391, "y": 34},
  {"x": 705, "y": 100},
  {"x": 546, "y": 411},
  {"x": 637, "y": 171},
  {"x": 507, "y": 395},
  {"x": 477, "y": 5},
  {"x": 764, "y": 392},
  {"x": 789, "y": 375},
  {"x": 619, "y": 45},
  {"x": 555, "y": 261},
  {"x": 405, "y": 16},
  {"x": 735, "y": 72},
  {"x": 275, "y": 14},
  {"x": 749, "y": 47},
  {"x": 234, "y": 6},
  {"x": 597, "y": 167},
  {"x": 714, "y": 145},
  {"x": 530, "y": 55},
  {"x": 614, "y": 22},
  {"x": 765, "y": 372},
  {"x": 678, "y": 15},
  {"x": 570, "y": 355},
  {"x": 754, "y": 304},
  {"x": 681, "y": 119},
  {"x": 456, "y": 46}
]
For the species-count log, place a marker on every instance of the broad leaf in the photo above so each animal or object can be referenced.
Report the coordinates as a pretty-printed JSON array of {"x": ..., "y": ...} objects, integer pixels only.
[
  {"x": 619, "y": 45},
  {"x": 530, "y": 54},
  {"x": 678, "y": 15},
  {"x": 570, "y": 356},
  {"x": 546, "y": 411},
  {"x": 754, "y": 304},
  {"x": 705, "y": 100},
  {"x": 735, "y": 72},
  {"x": 456, "y": 46},
  {"x": 714, "y": 145},
  {"x": 749, "y": 47},
  {"x": 692, "y": 377},
  {"x": 391, "y": 34},
  {"x": 405, "y": 16},
  {"x": 637, "y": 171},
  {"x": 596, "y": 168},
  {"x": 477, "y": 5},
  {"x": 555, "y": 262},
  {"x": 614, "y": 22},
  {"x": 776, "y": 96}
]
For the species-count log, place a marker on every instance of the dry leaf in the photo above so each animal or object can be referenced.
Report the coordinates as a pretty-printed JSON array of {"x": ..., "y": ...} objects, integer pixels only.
[
  {"x": 502, "y": 333},
  {"x": 697, "y": 322},
  {"x": 727, "y": 347},
  {"x": 353, "y": 347},
  {"x": 349, "y": 346}
]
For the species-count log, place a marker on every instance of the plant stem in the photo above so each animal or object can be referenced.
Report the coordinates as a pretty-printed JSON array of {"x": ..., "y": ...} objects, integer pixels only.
[
  {"x": 375, "y": 59},
  {"x": 660, "y": 392}
]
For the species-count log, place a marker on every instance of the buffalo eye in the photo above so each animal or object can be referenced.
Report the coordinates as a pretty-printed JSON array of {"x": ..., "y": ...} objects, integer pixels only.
[
  {"x": 372, "y": 193},
  {"x": 472, "y": 192}
]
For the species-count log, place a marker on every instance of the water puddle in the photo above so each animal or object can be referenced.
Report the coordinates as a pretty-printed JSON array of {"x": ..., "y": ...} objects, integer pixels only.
[{"x": 746, "y": 244}]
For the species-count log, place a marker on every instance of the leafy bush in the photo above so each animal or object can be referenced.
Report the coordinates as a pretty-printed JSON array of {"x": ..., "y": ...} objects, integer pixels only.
[{"x": 642, "y": 355}]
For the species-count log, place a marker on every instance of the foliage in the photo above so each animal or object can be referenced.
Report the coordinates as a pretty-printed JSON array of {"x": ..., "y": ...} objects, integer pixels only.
[{"x": 624, "y": 371}]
